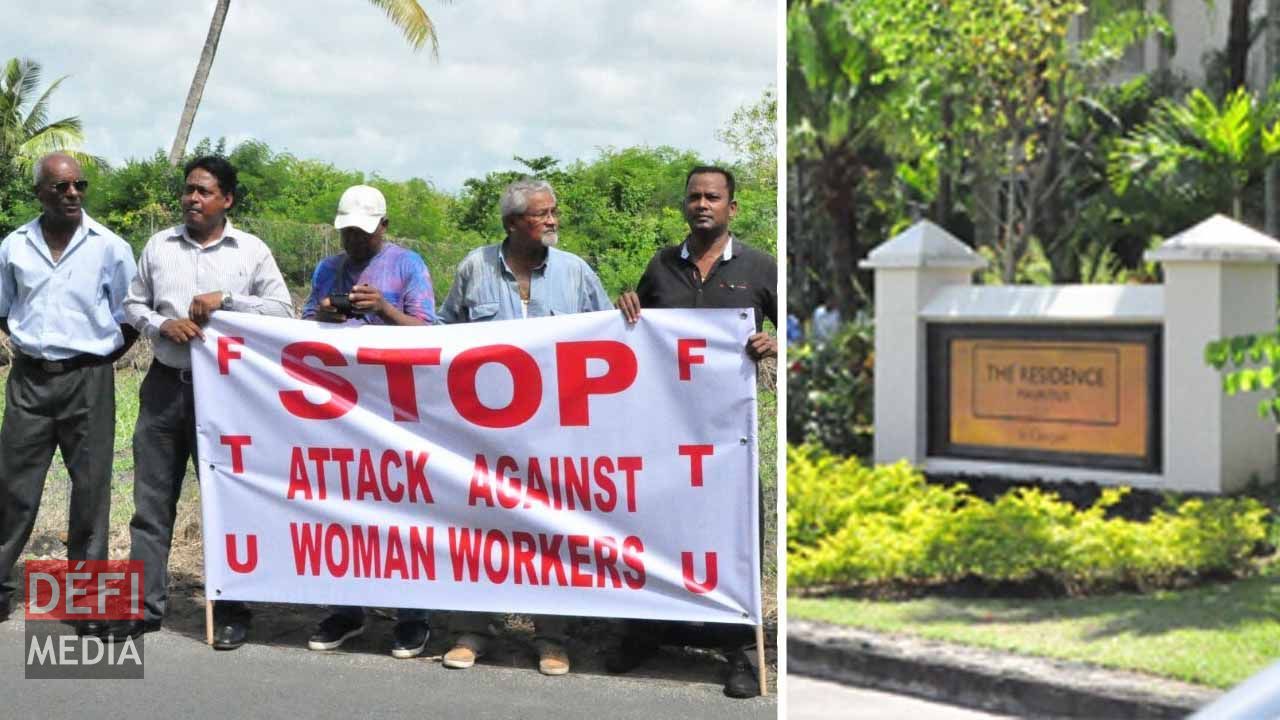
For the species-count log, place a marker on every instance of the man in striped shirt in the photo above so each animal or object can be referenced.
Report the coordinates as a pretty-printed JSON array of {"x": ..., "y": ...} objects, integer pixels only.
[{"x": 185, "y": 274}]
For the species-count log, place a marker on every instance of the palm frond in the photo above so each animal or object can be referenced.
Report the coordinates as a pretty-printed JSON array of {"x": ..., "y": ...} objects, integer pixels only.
[
  {"x": 412, "y": 20},
  {"x": 26, "y": 133},
  {"x": 53, "y": 138},
  {"x": 24, "y": 76},
  {"x": 38, "y": 115}
]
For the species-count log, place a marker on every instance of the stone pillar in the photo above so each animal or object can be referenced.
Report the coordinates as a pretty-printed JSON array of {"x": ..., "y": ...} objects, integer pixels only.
[
  {"x": 910, "y": 268},
  {"x": 1220, "y": 280}
]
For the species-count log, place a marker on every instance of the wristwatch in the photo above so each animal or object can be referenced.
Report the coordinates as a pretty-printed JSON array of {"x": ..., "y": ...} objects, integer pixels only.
[{"x": 226, "y": 300}]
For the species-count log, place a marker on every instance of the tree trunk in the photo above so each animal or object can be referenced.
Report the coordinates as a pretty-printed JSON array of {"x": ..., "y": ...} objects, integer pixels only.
[
  {"x": 1238, "y": 43},
  {"x": 942, "y": 203},
  {"x": 840, "y": 180},
  {"x": 197, "y": 83},
  {"x": 1272, "y": 196}
]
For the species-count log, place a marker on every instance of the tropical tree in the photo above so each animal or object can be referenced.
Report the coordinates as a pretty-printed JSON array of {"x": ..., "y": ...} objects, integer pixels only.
[
  {"x": 407, "y": 15},
  {"x": 752, "y": 134},
  {"x": 26, "y": 133},
  {"x": 838, "y": 127},
  {"x": 1202, "y": 151}
]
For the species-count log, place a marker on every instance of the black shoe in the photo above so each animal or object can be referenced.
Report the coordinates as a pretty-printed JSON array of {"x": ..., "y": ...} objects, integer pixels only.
[
  {"x": 410, "y": 639},
  {"x": 94, "y": 628},
  {"x": 117, "y": 632},
  {"x": 335, "y": 630},
  {"x": 743, "y": 681},
  {"x": 230, "y": 634},
  {"x": 4, "y": 612},
  {"x": 631, "y": 653}
]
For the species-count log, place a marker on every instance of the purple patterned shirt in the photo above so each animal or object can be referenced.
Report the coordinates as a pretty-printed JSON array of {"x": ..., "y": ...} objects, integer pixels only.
[{"x": 399, "y": 274}]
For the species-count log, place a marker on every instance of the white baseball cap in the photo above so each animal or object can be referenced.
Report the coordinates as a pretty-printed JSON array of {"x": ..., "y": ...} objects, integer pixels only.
[{"x": 361, "y": 206}]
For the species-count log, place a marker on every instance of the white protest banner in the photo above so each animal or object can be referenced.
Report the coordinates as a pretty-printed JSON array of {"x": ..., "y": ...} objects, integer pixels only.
[{"x": 568, "y": 465}]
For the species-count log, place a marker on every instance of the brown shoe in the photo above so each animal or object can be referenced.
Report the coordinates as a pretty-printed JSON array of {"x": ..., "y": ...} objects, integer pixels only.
[
  {"x": 552, "y": 658},
  {"x": 466, "y": 649}
]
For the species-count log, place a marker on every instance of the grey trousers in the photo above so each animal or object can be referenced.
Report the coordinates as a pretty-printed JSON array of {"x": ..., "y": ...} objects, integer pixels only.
[
  {"x": 163, "y": 441},
  {"x": 75, "y": 412}
]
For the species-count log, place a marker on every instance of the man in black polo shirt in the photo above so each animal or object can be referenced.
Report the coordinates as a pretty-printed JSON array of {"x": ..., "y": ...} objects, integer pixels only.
[{"x": 710, "y": 269}]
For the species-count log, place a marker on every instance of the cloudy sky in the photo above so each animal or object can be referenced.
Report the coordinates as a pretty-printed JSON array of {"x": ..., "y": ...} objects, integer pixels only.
[{"x": 333, "y": 79}]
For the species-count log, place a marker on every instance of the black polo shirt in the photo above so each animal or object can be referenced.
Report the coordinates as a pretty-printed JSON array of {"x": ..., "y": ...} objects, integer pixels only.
[{"x": 748, "y": 279}]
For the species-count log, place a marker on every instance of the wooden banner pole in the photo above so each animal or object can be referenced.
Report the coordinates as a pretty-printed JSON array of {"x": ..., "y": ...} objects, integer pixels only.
[
  {"x": 764, "y": 673},
  {"x": 208, "y": 621}
]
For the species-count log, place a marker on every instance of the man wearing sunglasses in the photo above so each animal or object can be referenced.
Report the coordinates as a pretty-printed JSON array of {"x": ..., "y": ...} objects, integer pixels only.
[{"x": 63, "y": 280}]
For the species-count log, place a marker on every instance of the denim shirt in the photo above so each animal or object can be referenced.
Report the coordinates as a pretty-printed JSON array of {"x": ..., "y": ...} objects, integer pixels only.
[
  {"x": 59, "y": 310},
  {"x": 484, "y": 288}
]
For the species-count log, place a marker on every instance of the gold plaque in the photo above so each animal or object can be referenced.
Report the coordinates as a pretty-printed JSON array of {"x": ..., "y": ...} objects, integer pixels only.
[{"x": 1050, "y": 395}]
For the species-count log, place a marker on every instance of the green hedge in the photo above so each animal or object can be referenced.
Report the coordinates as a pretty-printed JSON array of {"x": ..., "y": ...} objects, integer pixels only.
[{"x": 851, "y": 525}]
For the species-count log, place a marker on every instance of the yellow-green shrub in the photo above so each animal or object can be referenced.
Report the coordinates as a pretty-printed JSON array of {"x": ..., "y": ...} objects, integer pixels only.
[{"x": 849, "y": 524}]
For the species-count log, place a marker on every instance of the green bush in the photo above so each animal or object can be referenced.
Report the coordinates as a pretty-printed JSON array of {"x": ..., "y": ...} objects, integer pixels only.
[
  {"x": 849, "y": 524},
  {"x": 829, "y": 391}
]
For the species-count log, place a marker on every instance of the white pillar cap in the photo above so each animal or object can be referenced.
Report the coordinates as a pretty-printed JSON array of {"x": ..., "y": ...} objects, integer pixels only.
[
  {"x": 1217, "y": 239},
  {"x": 924, "y": 245}
]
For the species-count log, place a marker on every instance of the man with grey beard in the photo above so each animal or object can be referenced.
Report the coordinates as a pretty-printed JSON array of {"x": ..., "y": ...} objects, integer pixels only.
[{"x": 523, "y": 276}]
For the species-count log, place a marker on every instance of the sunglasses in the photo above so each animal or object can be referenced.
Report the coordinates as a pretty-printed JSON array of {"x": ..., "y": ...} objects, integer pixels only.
[{"x": 62, "y": 187}]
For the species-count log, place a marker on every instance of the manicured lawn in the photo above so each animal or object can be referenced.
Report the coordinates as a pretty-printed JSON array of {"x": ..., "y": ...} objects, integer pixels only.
[{"x": 1215, "y": 635}]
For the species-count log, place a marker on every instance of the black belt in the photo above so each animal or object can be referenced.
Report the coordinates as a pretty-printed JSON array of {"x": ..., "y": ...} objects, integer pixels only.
[
  {"x": 57, "y": 367},
  {"x": 182, "y": 374}
]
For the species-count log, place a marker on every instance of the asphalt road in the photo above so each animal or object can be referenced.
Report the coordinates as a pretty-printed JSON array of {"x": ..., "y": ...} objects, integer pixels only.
[
  {"x": 809, "y": 699},
  {"x": 186, "y": 679}
]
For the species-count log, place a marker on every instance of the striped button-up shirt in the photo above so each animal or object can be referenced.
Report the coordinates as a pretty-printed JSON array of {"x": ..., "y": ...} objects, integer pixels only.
[
  {"x": 174, "y": 268},
  {"x": 486, "y": 289},
  {"x": 57, "y": 310}
]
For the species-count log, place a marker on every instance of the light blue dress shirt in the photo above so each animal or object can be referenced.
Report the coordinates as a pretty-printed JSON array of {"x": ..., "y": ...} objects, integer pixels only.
[
  {"x": 76, "y": 305},
  {"x": 484, "y": 288}
]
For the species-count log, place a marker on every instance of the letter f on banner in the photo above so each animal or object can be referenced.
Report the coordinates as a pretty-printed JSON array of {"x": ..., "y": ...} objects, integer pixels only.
[
  {"x": 685, "y": 357},
  {"x": 226, "y": 354}
]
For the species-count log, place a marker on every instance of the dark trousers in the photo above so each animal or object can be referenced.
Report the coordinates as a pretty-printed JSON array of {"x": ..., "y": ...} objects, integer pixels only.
[
  {"x": 75, "y": 412},
  {"x": 163, "y": 441},
  {"x": 356, "y": 612}
]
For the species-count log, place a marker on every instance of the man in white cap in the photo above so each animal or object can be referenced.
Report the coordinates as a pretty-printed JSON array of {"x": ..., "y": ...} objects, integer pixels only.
[
  {"x": 377, "y": 282},
  {"x": 373, "y": 280}
]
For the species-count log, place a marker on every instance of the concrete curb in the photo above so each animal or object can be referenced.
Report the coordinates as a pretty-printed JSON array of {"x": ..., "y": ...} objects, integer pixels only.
[{"x": 984, "y": 679}]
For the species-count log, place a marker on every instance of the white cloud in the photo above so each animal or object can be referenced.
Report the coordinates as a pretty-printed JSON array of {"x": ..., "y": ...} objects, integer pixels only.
[{"x": 333, "y": 80}]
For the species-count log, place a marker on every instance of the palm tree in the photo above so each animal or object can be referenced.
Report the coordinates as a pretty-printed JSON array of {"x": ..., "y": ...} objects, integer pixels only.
[
  {"x": 26, "y": 133},
  {"x": 1199, "y": 150},
  {"x": 407, "y": 15}
]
